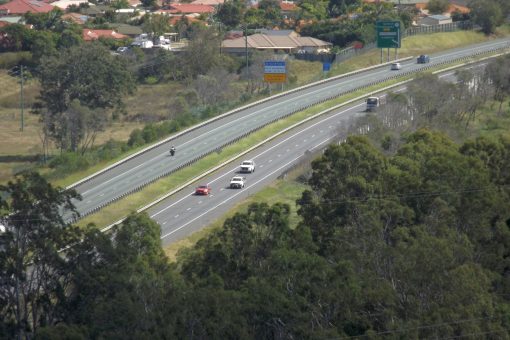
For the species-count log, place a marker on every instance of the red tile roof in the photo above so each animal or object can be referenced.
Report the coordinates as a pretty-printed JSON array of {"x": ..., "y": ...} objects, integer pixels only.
[
  {"x": 190, "y": 8},
  {"x": 174, "y": 20},
  {"x": 287, "y": 6},
  {"x": 89, "y": 35},
  {"x": 16, "y": 7}
]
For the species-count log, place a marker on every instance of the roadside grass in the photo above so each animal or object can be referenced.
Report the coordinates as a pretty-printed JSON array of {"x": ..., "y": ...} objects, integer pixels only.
[
  {"x": 281, "y": 191},
  {"x": 413, "y": 46}
]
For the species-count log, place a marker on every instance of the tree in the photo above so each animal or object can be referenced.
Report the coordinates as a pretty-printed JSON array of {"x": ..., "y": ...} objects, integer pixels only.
[
  {"x": 438, "y": 6},
  {"x": 215, "y": 87},
  {"x": 498, "y": 73},
  {"x": 230, "y": 13},
  {"x": 33, "y": 275},
  {"x": 271, "y": 12},
  {"x": 88, "y": 74},
  {"x": 340, "y": 7},
  {"x": 156, "y": 24},
  {"x": 486, "y": 13},
  {"x": 202, "y": 53}
]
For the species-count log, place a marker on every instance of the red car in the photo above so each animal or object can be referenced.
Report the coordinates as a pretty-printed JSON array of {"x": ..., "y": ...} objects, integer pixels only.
[{"x": 203, "y": 190}]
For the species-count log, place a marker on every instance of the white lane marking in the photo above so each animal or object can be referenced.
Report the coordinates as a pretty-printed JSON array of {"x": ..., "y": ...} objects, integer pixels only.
[
  {"x": 176, "y": 216},
  {"x": 269, "y": 161},
  {"x": 326, "y": 88},
  {"x": 199, "y": 202},
  {"x": 231, "y": 197},
  {"x": 164, "y": 222},
  {"x": 188, "y": 209},
  {"x": 101, "y": 195},
  {"x": 266, "y": 151},
  {"x": 278, "y": 155},
  {"x": 88, "y": 201}
]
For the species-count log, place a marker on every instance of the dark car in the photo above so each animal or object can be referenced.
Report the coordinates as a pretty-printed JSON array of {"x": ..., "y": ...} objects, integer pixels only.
[
  {"x": 203, "y": 190},
  {"x": 423, "y": 59}
]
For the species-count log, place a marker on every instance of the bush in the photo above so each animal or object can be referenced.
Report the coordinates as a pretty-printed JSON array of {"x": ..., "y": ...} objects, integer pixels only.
[
  {"x": 149, "y": 133},
  {"x": 136, "y": 138},
  {"x": 69, "y": 162},
  {"x": 110, "y": 150}
]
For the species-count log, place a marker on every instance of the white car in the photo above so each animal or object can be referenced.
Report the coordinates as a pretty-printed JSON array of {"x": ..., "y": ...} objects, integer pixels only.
[
  {"x": 237, "y": 182},
  {"x": 396, "y": 66},
  {"x": 248, "y": 166}
]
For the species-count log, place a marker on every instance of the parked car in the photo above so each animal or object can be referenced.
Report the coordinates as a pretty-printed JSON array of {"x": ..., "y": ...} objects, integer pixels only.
[
  {"x": 396, "y": 66},
  {"x": 122, "y": 49},
  {"x": 203, "y": 190},
  {"x": 423, "y": 59}
]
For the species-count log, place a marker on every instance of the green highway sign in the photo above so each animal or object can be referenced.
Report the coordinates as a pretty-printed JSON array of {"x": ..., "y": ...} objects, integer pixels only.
[{"x": 388, "y": 34}]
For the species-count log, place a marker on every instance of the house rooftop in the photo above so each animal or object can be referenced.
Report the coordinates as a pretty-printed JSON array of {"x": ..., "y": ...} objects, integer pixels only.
[
  {"x": 89, "y": 35},
  {"x": 25, "y": 6},
  {"x": 439, "y": 17}
]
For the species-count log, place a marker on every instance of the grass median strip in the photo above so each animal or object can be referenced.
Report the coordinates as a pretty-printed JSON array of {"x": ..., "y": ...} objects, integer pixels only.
[{"x": 123, "y": 207}]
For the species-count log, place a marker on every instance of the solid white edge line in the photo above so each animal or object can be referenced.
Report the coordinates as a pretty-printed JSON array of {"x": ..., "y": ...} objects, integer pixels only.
[{"x": 287, "y": 129}]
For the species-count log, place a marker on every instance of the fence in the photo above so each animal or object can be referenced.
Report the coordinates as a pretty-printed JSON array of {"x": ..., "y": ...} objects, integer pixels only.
[{"x": 451, "y": 27}]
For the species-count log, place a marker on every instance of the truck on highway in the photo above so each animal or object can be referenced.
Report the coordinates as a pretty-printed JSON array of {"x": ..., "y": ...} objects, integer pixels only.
[
  {"x": 374, "y": 102},
  {"x": 248, "y": 166}
]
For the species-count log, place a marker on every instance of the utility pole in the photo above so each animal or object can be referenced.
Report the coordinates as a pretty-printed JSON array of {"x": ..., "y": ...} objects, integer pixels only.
[
  {"x": 22, "y": 102},
  {"x": 246, "y": 44}
]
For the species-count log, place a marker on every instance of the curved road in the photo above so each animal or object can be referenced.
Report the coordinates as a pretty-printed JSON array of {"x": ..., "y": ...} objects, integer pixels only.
[
  {"x": 155, "y": 163},
  {"x": 184, "y": 213}
]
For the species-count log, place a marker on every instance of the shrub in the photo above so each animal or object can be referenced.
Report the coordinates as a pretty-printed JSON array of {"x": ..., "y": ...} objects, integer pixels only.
[
  {"x": 136, "y": 138},
  {"x": 69, "y": 162}
]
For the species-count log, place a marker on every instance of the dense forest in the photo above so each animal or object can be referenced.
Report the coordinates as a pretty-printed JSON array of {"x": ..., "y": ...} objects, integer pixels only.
[{"x": 412, "y": 244}]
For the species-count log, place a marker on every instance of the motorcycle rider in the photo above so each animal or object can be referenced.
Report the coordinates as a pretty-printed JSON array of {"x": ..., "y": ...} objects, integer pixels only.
[{"x": 172, "y": 150}]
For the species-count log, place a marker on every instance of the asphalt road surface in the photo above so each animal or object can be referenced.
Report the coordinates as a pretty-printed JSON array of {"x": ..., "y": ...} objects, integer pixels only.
[
  {"x": 184, "y": 213},
  {"x": 123, "y": 179}
]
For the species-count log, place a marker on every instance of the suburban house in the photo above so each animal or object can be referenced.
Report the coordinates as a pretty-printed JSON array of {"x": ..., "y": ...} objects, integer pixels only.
[
  {"x": 437, "y": 19},
  {"x": 188, "y": 9},
  {"x": 76, "y": 18},
  {"x": 20, "y": 7},
  {"x": 129, "y": 30},
  {"x": 64, "y": 4},
  {"x": 276, "y": 41},
  {"x": 90, "y": 35},
  {"x": 214, "y": 3}
]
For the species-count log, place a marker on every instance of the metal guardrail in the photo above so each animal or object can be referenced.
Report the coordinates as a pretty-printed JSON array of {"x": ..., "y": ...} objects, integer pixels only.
[
  {"x": 213, "y": 119},
  {"x": 399, "y": 75}
]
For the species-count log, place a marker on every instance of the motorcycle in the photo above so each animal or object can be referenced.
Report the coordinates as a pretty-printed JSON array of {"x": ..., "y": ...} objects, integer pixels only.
[{"x": 172, "y": 151}]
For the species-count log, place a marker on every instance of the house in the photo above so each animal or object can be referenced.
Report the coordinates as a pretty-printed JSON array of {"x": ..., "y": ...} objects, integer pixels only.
[
  {"x": 64, "y": 4},
  {"x": 76, "y": 18},
  {"x": 437, "y": 19},
  {"x": 179, "y": 9},
  {"x": 277, "y": 41},
  {"x": 20, "y": 7},
  {"x": 173, "y": 20},
  {"x": 213, "y": 3},
  {"x": 129, "y": 30},
  {"x": 12, "y": 19},
  {"x": 90, "y": 35}
]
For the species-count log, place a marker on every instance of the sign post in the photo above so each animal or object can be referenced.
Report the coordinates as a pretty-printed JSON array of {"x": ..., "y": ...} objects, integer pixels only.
[
  {"x": 388, "y": 35},
  {"x": 275, "y": 71}
]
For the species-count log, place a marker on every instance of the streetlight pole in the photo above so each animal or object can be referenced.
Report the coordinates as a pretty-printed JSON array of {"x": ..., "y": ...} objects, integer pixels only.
[{"x": 245, "y": 27}]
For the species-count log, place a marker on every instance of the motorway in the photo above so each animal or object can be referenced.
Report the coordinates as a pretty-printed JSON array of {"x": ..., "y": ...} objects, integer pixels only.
[
  {"x": 155, "y": 163},
  {"x": 184, "y": 213}
]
